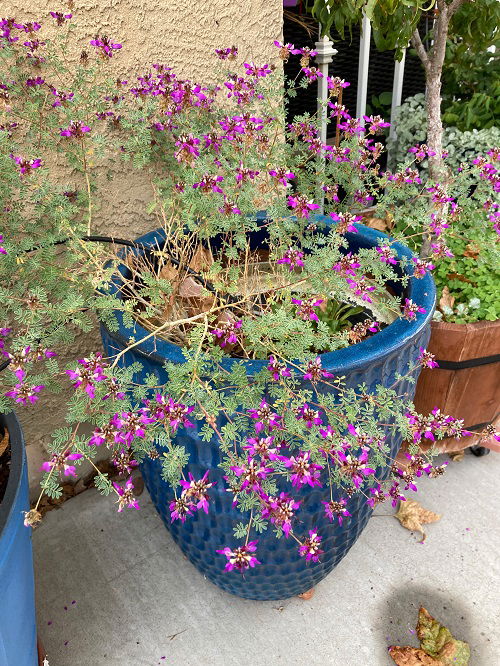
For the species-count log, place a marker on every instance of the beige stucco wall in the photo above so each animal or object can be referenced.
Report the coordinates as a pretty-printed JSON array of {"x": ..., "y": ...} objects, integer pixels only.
[{"x": 182, "y": 34}]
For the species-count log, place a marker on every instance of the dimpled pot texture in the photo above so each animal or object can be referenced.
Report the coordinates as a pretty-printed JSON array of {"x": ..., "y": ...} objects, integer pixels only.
[{"x": 282, "y": 573}]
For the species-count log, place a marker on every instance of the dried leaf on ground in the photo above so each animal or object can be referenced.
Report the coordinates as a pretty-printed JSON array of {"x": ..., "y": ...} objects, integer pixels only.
[
  {"x": 4, "y": 443},
  {"x": 410, "y": 656},
  {"x": 446, "y": 300},
  {"x": 412, "y": 515},
  {"x": 438, "y": 641},
  {"x": 437, "y": 646}
]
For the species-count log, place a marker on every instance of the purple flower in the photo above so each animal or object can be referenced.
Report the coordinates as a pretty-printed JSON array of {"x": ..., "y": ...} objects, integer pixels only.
[
  {"x": 395, "y": 494},
  {"x": 197, "y": 491},
  {"x": 26, "y": 166},
  {"x": 187, "y": 150},
  {"x": 114, "y": 390},
  {"x": 243, "y": 174},
  {"x": 375, "y": 124},
  {"x": 293, "y": 258},
  {"x": 305, "y": 310},
  {"x": 280, "y": 511},
  {"x": 2, "y": 249},
  {"x": 361, "y": 288},
  {"x": 60, "y": 17},
  {"x": 282, "y": 175},
  {"x": 278, "y": 369},
  {"x": 303, "y": 471},
  {"x": 354, "y": 468},
  {"x": 410, "y": 309},
  {"x": 345, "y": 222},
  {"x": 108, "y": 434},
  {"x": 105, "y": 46},
  {"x": 32, "y": 83},
  {"x": 229, "y": 208},
  {"x": 209, "y": 183},
  {"x": 251, "y": 69},
  {"x": 421, "y": 152},
  {"x": 76, "y": 129},
  {"x": 227, "y": 54},
  {"x": 171, "y": 413},
  {"x": 336, "y": 510},
  {"x": 308, "y": 415},
  {"x": 301, "y": 205},
  {"x": 335, "y": 85},
  {"x": 59, "y": 463},
  {"x": 126, "y": 497},
  {"x": 310, "y": 549},
  {"x": 252, "y": 474},
  {"x": 377, "y": 496},
  {"x": 131, "y": 425},
  {"x": 284, "y": 49},
  {"x": 180, "y": 509},
  {"x": 22, "y": 393},
  {"x": 123, "y": 462},
  {"x": 331, "y": 192},
  {"x": 421, "y": 267},
  {"x": 226, "y": 333},
  {"x": 240, "y": 558},
  {"x": 347, "y": 265},
  {"x": 386, "y": 255},
  {"x": 89, "y": 374},
  {"x": 266, "y": 418},
  {"x": 426, "y": 359},
  {"x": 312, "y": 73},
  {"x": 263, "y": 447},
  {"x": 315, "y": 372},
  {"x": 61, "y": 97}
]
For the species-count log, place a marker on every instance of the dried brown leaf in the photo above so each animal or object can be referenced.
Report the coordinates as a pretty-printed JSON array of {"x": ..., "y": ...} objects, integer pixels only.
[
  {"x": 202, "y": 259},
  {"x": 437, "y": 646},
  {"x": 412, "y": 515},
  {"x": 410, "y": 656},
  {"x": 471, "y": 250},
  {"x": 446, "y": 300}
]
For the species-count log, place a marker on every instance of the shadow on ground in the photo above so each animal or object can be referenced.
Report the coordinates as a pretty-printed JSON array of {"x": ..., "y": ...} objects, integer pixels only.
[{"x": 399, "y": 616}]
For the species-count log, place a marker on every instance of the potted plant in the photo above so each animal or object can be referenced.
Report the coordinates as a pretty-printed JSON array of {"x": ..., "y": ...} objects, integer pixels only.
[
  {"x": 17, "y": 612},
  {"x": 257, "y": 366}
]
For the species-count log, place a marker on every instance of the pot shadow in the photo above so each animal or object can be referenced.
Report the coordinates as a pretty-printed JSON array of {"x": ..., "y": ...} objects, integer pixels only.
[{"x": 398, "y": 617}]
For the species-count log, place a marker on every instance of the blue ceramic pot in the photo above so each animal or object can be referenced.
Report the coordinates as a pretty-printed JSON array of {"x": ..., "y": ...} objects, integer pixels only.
[
  {"x": 17, "y": 593},
  {"x": 282, "y": 573}
]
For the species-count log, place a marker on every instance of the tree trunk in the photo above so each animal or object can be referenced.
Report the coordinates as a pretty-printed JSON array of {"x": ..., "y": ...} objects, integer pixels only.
[{"x": 434, "y": 125}]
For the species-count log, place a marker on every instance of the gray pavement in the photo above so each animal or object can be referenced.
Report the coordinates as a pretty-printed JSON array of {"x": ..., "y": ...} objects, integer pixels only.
[{"x": 114, "y": 590}]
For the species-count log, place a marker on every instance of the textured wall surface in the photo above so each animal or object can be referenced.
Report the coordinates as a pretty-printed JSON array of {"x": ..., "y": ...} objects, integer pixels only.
[{"x": 181, "y": 34}]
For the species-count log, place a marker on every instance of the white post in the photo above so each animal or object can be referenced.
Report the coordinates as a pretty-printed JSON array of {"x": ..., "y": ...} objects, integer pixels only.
[
  {"x": 397, "y": 94},
  {"x": 324, "y": 47},
  {"x": 325, "y": 50},
  {"x": 397, "y": 90},
  {"x": 363, "y": 63}
]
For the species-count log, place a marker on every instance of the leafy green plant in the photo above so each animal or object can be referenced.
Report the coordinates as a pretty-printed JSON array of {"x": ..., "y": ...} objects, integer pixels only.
[
  {"x": 460, "y": 146},
  {"x": 214, "y": 155}
]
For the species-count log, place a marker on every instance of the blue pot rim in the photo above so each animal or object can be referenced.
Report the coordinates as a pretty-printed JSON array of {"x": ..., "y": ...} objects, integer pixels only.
[{"x": 422, "y": 291}]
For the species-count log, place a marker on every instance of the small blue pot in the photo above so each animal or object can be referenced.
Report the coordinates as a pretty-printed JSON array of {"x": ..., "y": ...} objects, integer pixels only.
[
  {"x": 17, "y": 592},
  {"x": 282, "y": 573}
]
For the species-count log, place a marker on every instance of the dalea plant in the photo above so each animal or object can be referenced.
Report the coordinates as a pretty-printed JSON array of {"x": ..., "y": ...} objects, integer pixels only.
[{"x": 214, "y": 155}]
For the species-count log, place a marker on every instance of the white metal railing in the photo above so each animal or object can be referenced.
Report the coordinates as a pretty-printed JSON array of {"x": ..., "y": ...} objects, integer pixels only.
[{"x": 325, "y": 50}]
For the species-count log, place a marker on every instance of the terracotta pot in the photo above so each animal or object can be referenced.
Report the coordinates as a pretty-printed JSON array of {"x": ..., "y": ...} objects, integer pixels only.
[{"x": 467, "y": 383}]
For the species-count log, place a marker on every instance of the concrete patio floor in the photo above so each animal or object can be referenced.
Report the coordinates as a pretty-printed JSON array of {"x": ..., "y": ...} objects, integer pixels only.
[{"x": 114, "y": 590}]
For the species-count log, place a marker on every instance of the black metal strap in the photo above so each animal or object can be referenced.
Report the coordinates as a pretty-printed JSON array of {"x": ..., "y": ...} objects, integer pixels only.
[{"x": 470, "y": 363}]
